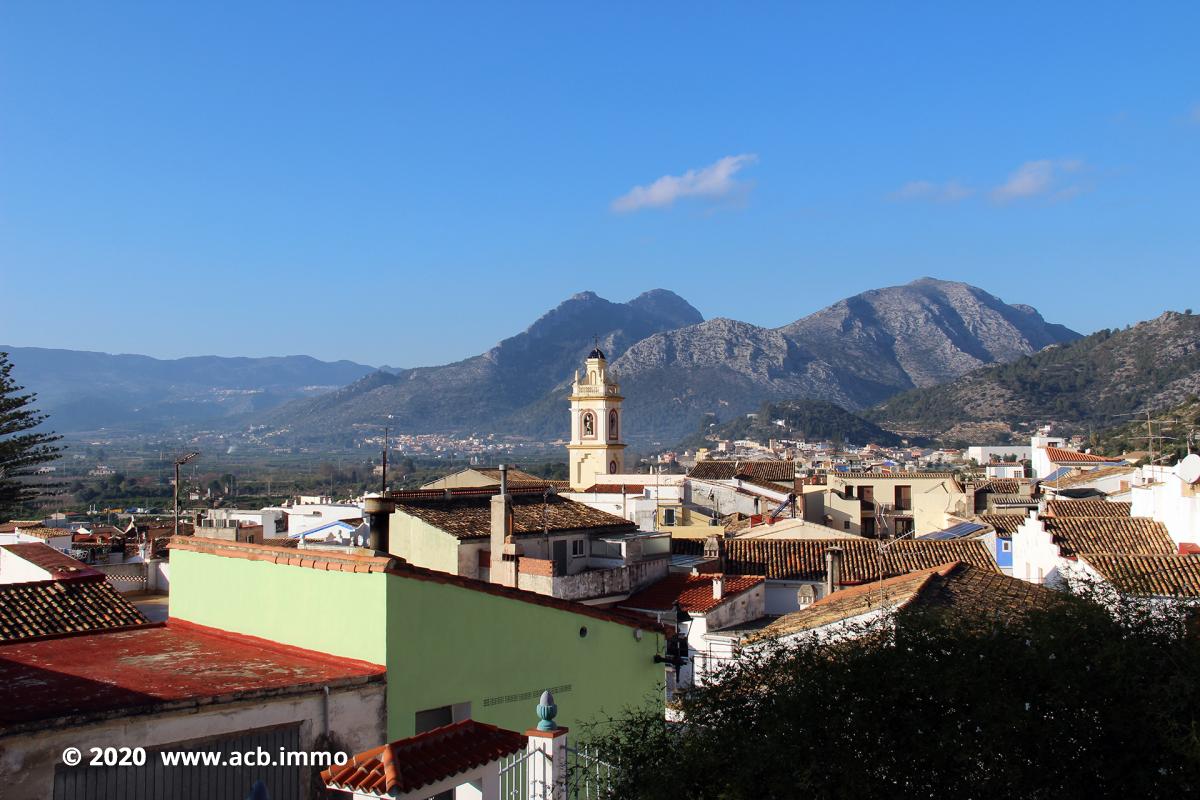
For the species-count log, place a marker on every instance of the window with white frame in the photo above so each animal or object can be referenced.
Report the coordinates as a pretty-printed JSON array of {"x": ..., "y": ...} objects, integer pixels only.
[{"x": 578, "y": 548}]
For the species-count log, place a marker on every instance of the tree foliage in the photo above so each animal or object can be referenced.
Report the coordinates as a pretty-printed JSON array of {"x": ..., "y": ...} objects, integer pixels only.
[
  {"x": 22, "y": 449},
  {"x": 1076, "y": 701}
]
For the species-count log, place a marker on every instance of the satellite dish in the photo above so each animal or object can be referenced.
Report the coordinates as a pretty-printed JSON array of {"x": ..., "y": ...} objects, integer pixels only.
[{"x": 1189, "y": 469}]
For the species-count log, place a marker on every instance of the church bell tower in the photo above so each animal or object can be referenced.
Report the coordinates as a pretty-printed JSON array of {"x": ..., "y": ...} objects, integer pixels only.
[{"x": 596, "y": 448}]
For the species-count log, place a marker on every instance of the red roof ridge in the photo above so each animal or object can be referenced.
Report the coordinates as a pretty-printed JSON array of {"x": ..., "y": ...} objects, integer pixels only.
[{"x": 407, "y": 765}]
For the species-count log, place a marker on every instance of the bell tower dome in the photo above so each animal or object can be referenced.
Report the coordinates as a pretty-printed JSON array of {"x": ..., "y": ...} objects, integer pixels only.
[{"x": 596, "y": 448}]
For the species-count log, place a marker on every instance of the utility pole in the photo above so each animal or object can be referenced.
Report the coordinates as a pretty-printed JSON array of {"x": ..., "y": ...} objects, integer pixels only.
[
  {"x": 383, "y": 478},
  {"x": 178, "y": 463}
]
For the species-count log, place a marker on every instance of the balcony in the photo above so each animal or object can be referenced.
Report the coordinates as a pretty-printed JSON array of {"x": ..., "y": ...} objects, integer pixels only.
[{"x": 895, "y": 509}]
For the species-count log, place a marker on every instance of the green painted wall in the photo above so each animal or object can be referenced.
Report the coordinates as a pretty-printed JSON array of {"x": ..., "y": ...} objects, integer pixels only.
[
  {"x": 421, "y": 544},
  {"x": 341, "y": 613},
  {"x": 442, "y": 644},
  {"x": 452, "y": 645}
]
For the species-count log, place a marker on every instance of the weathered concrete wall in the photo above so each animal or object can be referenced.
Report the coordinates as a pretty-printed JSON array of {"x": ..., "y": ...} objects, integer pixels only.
[{"x": 356, "y": 717}]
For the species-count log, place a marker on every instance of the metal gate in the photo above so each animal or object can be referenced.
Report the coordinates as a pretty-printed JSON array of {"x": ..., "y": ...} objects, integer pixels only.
[
  {"x": 527, "y": 776},
  {"x": 194, "y": 782}
]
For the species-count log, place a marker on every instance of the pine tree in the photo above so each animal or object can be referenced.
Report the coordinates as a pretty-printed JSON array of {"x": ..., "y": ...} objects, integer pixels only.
[{"x": 21, "y": 448}]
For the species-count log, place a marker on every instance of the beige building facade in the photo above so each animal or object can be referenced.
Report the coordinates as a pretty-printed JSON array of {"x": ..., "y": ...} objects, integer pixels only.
[{"x": 596, "y": 447}]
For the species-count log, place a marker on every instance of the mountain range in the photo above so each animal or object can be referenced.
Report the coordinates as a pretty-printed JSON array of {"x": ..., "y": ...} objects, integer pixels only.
[
  {"x": 87, "y": 391},
  {"x": 674, "y": 366},
  {"x": 1091, "y": 383}
]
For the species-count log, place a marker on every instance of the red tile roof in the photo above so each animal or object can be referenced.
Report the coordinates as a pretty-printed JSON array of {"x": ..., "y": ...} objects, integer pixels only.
[
  {"x": 804, "y": 559},
  {"x": 779, "y": 471},
  {"x": 344, "y": 562},
  {"x": 616, "y": 488},
  {"x": 1087, "y": 508},
  {"x": 1127, "y": 535},
  {"x": 694, "y": 593},
  {"x": 1060, "y": 455},
  {"x": 152, "y": 668},
  {"x": 1005, "y": 524},
  {"x": 425, "y": 759},
  {"x": 960, "y": 588},
  {"x": 57, "y": 563},
  {"x": 59, "y": 607},
  {"x": 470, "y": 516},
  {"x": 42, "y": 532},
  {"x": 1166, "y": 575}
]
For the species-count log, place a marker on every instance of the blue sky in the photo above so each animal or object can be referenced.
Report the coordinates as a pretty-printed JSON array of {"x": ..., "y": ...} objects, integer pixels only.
[{"x": 407, "y": 184}]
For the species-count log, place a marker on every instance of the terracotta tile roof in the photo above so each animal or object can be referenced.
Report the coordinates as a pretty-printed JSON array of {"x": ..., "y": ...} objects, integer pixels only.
[
  {"x": 1175, "y": 575},
  {"x": 407, "y": 765},
  {"x": 470, "y": 516},
  {"x": 775, "y": 471},
  {"x": 58, "y": 564},
  {"x": 346, "y": 562},
  {"x": 1010, "y": 500},
  {"x": 804, "y": 559},
  {"x": 156, "y": 667},
  {"x": 1127, "y": 535},
  {"x": 1084, "y": 478},
  {"x": 1001, "y": 486},
  {"x": 1005, "y": 524},
  {"x": 958, "y": 588},
  {"x": 763, "y": 483},
  {"x": 1059, "y": 455},
  {"x": 694, "y": 593},
  {"x": 42, "y": 532},
  {"x": 58, "y": 607},
  {"x": 284, "y": 542},
  {"x": 616, "y": 488},
  {"x": 1086, "y": 508}
]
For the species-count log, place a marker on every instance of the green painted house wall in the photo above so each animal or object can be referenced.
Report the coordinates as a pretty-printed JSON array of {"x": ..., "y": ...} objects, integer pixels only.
[
  {"x": 340, "y": 613},
  {"x": 460, "y": 645},
  {"x": 443, "y": 644}
]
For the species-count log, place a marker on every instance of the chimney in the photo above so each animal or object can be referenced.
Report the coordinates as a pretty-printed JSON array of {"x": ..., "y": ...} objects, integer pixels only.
[
  {"x": 833, "y": 570},
  {"x": 379, "y": 511},
  {"x": 718, "y": 587},
  {"x": 501, "y": 532}
]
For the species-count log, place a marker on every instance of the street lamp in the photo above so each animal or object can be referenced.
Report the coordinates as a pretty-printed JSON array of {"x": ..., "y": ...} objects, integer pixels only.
[{"x": 178, "y": 463}]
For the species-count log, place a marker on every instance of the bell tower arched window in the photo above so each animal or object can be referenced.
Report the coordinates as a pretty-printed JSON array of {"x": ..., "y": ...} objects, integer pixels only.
[
  {"x": 589, "y": 424},
  {"x": 613, "y": 433}
]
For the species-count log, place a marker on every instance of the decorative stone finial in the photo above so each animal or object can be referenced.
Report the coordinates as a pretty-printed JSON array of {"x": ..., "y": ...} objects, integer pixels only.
[{"x": 546, "y": 711}]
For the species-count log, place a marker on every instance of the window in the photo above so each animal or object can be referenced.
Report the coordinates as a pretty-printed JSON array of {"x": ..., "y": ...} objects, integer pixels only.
[
  {"x": 846, "y": 525},
  {"x": 612, "y": 424},
  {"x": 612, "y": 468},
  {"x": 589, "y": 424},
  {"x": 668, "y": 516},
  {"x": 903, "y": 498},
  {"x": 577, "y": 548},
  {"x": 1006, "y": 546}
]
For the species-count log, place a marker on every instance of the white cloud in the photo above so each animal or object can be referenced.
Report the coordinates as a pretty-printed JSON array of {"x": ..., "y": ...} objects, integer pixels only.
[
  {"x": 948, "y": 192},
  {"x": 715, "y": 180},
  {"x": 1035, "y": 178}
]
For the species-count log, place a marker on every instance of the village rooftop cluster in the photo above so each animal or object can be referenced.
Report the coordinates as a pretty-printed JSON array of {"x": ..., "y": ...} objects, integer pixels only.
[{"x": 448, "y": 638}]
